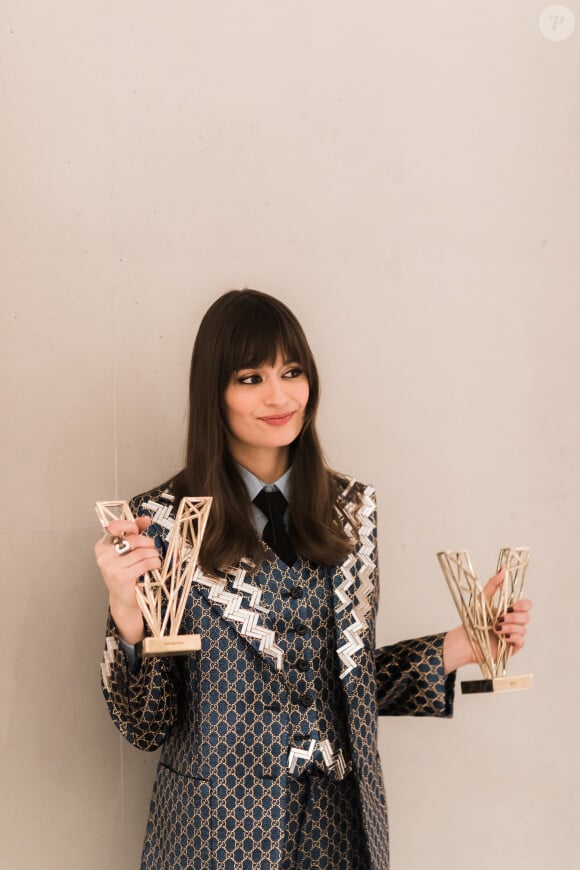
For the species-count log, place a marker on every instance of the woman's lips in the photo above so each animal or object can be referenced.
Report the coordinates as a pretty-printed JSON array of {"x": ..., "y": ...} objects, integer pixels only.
[{"x": 278, "y": 420}]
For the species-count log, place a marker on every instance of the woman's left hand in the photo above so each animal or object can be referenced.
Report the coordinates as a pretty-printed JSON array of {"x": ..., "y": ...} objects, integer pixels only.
[{"x": 511, "y": 624}]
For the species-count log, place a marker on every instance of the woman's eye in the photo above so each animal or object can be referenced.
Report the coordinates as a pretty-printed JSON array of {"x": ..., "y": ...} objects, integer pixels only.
[
  {"x": 249, "y": 379},
  {"x": 294, "y": 372}
]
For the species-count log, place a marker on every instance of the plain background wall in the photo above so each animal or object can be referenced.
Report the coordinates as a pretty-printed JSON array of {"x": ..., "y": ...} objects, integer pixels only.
[{"x": 405, "y": 176}]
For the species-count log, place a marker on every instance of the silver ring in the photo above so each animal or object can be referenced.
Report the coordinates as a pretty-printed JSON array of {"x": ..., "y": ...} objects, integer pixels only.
[
  {"x": 121, "y": 544},
  {"x": 123, "y": 547}
]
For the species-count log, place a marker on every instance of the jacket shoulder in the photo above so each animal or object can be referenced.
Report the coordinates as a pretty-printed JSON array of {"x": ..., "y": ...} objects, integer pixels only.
[
  {"x": 152, "y": 500},
  {"x": 349, "y": 489},
  {"x": 355, "y": 503}
]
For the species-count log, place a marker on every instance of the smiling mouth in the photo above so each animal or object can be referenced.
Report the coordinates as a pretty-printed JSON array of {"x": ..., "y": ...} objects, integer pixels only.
[{"x": 278, "y": 419}]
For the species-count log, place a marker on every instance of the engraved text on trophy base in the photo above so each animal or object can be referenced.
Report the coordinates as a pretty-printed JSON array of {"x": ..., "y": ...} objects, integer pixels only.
[{"x": 180, "y": 645}]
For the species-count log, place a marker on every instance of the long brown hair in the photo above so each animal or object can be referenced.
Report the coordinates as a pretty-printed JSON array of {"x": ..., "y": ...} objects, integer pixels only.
[{"x": 244, "y": 329}]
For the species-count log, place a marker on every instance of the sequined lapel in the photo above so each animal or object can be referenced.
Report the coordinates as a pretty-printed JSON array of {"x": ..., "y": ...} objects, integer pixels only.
[
  {"x": 354, "y": 581},
  {"x": 238, "y": 600}
]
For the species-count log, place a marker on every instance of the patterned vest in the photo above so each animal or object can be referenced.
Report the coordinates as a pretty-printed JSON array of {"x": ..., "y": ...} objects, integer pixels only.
[{"x": 300, "y": 603}]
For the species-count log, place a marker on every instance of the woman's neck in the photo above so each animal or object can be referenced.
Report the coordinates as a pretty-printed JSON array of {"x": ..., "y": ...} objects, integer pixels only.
[{"x": 267, "y": 465}]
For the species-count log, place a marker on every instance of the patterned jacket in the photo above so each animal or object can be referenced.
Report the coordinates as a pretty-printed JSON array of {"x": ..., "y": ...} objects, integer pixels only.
[{"x": 222, "y": 716}]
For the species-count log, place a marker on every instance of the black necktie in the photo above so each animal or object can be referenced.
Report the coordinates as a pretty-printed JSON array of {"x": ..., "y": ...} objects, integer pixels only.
[{"x": 273, "y": 505}]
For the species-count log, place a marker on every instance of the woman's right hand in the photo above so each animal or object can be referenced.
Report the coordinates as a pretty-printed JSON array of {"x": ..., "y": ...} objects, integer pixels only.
[{"x": 121, "y": 572}]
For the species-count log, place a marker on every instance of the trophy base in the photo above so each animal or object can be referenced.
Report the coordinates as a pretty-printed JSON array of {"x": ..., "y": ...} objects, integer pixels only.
[
  {"x": 179, "y": 645},
  {"x": 498, "y": 684}
]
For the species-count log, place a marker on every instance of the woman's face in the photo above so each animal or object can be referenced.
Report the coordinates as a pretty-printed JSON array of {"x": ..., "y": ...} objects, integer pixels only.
[{"x": 265, "y": 408}]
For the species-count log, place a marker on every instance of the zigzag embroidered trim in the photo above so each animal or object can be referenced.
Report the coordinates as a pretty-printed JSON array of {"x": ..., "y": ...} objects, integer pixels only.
[
  {"x": 162, "y": 512},
  {"x": 333, "y": 761},
  {"x": 108, "y": 658},
  {"x": 366, "y": 573},
  {"x": 244, "y": 608}
]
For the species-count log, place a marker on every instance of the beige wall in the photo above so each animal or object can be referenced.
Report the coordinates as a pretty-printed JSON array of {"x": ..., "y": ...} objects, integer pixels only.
[{"x": 405, "y": 176}]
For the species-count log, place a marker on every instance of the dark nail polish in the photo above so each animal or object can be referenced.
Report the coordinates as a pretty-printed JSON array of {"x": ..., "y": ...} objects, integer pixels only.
[
  {"x": 500, "y": 618},
  {"x": 510, "y": 610},
  {"x": 507, "y": 636}
]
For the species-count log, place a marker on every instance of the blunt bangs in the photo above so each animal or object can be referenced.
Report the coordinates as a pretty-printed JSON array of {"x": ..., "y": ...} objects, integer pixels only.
[{"x": 256, "y": 329}]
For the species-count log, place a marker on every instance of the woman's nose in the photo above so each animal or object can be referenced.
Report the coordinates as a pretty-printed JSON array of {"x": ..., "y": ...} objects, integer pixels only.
[{"x": 275, "y": 392}]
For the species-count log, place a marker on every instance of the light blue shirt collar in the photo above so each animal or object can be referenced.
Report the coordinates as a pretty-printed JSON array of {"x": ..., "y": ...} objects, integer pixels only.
[{"x": 254, "y": 485}]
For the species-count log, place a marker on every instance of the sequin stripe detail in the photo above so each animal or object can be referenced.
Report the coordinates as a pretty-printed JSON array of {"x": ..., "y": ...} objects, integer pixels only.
[
  {"x": 108, "y": 659},
  {"x": 333, "y": 761},
  {"x": 246, "y": 613},
  {"x": 295, "y": 755},
  {"x": 364, "y": 555},
  {"x": 162, "y": 511}
]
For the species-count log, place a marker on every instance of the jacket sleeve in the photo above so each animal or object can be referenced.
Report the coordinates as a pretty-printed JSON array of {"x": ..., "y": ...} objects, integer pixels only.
[
  {"x": 142, "y": 702},
  {"x": 411, "y": 679},
  {"x": 142, "y": 699}
]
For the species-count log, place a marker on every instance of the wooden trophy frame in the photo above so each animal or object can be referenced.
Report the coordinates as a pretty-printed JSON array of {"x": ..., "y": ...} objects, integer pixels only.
[
  {"x": 162, "y": 594},
  {"x": 479, "y": 616}
]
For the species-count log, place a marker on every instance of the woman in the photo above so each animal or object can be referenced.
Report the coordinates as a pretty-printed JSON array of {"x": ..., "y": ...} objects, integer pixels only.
[{"x": 269, "y": 734}]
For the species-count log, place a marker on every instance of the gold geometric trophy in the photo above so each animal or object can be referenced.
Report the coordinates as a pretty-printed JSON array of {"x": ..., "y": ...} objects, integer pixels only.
[
  {"x": 480, "y": 616},
  {"x": 162, "y": 594}
]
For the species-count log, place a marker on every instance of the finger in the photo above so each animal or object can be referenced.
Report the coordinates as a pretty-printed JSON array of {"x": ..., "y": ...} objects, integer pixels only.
[
  {"x": 517, "y": 641},
  {"x": 513, "y": 619},
  {"x": 523, "y": 605},
  {"x": 125, "y": 571},
  {"x": 143, "y": 565},
  {"x": 512, "y": 634},
  {"x": 110, "y": 559},
  {"x": 493, "y": 585},
  {"x": 140, "y": 548},
  {"x": 136, "y": 542},
  {"x": 128, "y": 527},
  {"x": 517, "y": 634},
  {"x": 143, "y": 522},
  {"x": 140, "y": 561}
]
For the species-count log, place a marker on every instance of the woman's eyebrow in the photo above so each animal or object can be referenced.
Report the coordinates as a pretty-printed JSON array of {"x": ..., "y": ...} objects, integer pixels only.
[
  {"x": 249, "y": 368},
  {"x": 267, "y": 364}
]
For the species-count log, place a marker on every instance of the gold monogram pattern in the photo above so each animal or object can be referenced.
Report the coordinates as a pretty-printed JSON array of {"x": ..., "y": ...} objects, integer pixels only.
[{"x": 323, "y": 826}]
